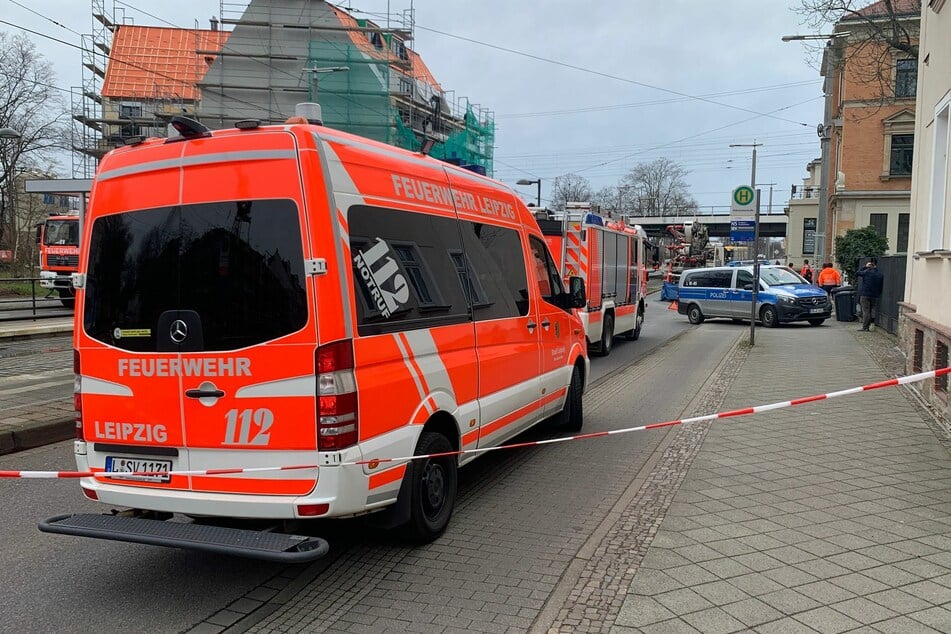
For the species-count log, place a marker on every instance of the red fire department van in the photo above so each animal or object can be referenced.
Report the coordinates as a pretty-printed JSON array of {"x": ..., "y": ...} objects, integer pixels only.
[
  {"x": 610, "y": 256},
  {"x": 289, "y": 296}
]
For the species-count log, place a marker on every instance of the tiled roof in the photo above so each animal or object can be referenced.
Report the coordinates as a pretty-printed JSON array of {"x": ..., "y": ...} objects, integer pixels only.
[
  {"x": 901, "y": 8},
  {"x": 419, "y": 69},
  {"x": 150, "y": 62}
]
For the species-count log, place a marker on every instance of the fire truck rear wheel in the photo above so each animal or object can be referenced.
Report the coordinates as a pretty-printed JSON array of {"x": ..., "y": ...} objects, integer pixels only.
[
  {"x": 67, "y": 298},
  {"x": 433, "y": 489},
  {"x": 603, "y": 348},
  {"x": 635, "y": 333}
]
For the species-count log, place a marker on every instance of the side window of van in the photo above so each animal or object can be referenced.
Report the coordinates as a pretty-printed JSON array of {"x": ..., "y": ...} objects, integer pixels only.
[
  {"x": 403, "y": 270},
  {"x": 496, "y": 268},
  {"x": 743, "y": 278},
  {"x": 549, "y": 280},
  {"x": 719, "y": 279}
]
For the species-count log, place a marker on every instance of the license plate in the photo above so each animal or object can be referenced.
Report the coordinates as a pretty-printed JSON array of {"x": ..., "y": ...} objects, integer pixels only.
[
  {"x": 130, "y": 466},
  {"x": 816, "y": 310}
]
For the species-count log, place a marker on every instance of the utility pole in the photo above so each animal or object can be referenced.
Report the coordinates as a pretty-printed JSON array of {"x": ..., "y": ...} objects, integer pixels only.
[{"x": 753, "y": 145}]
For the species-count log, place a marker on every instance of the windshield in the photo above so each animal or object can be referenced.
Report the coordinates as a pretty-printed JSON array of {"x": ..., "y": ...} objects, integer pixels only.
[
  {"x": 238, "y": 265},
  {"x": 779, "y": 276},
  {"x": 65, "y": 232}
]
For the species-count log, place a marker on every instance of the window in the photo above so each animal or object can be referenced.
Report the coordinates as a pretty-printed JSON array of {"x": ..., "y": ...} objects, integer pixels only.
[
  {"x": 710, "y": 279},
  {"x": 498, "y": 265},
  {"x": 471, "y": 285},
  {"x": 919, "y": 351},
  {"x": 743, "y": 278},
  {"x": 901, "y": 154},
  {"x": 941, "y": 361},
  {"x": 238, "y": 265},
  {"x": 939, "y": 171},
  {"x": 903, "y": 221},
  {"x": 906, "y": 77},
  {"x": 880, "y": 223},
  {"x": 549, "y": 279},
  {"x": 403, "y": 274}
]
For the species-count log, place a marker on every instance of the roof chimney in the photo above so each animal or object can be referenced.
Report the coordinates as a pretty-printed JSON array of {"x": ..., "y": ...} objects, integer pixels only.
[{"x": 214, "y": 23}]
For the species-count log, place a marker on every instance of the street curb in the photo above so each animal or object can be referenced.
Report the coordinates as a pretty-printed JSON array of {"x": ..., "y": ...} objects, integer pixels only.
[
  {"x": 34, "y": 330},
  {"x": 38, "y": 435}
]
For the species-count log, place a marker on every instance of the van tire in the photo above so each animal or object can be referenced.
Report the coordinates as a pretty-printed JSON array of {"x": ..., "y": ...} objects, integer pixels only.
[
  {"x": 571, "y": 417},
  {"x": 433, "y": 486},
  {"x": 816, "y": 322},
  {"x": 635, "y": 333},
  {"x": 694, "y": 314},
  {"x": 604, "y": 347},
  {"x": 769, "y": 317}
]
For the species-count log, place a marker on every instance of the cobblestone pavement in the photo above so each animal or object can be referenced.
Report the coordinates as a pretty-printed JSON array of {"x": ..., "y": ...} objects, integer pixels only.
[{"x": 828, "y": 517}]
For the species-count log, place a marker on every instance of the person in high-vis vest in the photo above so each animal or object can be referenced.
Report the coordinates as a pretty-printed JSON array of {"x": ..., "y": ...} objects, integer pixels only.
[{"x": 829, "y": 278}]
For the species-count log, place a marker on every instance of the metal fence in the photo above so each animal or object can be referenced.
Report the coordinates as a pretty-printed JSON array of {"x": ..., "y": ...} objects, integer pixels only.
[{"x": 39, "y": 303}]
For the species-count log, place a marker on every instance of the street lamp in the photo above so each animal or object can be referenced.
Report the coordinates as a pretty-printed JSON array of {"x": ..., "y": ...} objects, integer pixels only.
[
  {"x": 528, "y": 181},
  {"x": 9, "y": 133},
  {"x": 824, "y": 131}
]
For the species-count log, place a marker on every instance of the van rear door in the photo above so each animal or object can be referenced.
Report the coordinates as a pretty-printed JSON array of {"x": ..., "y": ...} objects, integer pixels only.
[{"x": 208, "y": 301}]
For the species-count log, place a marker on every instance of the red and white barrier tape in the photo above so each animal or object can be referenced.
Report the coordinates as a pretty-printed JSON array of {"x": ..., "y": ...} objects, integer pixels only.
[{"x": 903, "y": 380}]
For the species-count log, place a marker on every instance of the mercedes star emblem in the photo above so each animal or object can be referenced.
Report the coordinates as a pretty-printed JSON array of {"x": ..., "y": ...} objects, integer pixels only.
[{"x": 179, "y": 331}]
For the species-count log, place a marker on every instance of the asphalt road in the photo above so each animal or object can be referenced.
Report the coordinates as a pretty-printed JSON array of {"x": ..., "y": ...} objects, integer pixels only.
[{"x": 521, "y": 518}]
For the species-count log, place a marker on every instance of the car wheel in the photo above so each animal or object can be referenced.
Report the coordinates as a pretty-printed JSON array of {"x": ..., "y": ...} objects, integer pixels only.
[
  {"x": 816, "y": 322},
  {"x": 432, "y": 489},
  {"x": 769, "y": 317},
  {"x": 607, "y": 336},
  {"x": 571, "y": 417},
  {"x": 694, "y": 314}
]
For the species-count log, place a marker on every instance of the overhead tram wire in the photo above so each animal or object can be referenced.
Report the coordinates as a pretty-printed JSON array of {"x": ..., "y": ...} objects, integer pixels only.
[
  {"x": 46, "y": 17},
  {"x": 602, "y": 74}
]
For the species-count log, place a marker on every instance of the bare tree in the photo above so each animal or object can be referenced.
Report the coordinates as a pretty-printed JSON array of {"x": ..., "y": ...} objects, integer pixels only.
[
  {"x": 878, "y": 32},
  {"x": 657, "y": 188},
  {"x": 32, "y": 106},
  {"x": 569, "y": 188}
]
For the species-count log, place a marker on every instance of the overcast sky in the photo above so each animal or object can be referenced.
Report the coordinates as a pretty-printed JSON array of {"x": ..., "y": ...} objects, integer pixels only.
[{"x": 590, "y": 88}]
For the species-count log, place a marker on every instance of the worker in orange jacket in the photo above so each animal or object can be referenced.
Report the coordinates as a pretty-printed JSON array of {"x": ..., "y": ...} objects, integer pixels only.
[{"x": 829, "y": 278}]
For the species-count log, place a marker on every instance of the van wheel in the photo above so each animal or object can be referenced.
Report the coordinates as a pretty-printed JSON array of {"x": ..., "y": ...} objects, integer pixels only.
[
  {"x": 433, "y": 489},
  {"x": 635, "y": 333},
  {"x": 769, "y": 317},
  {"x": 816, "y": 322},
  {"x": 571, "y": 417},
  {"x": 694, "y": 314},
  {"x": 607, "y": 336}
]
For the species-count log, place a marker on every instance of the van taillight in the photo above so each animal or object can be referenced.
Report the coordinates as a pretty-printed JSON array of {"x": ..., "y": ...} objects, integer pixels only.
[
  {"x": 337, "y": 423},
  {"x": 78, "y": 394}
]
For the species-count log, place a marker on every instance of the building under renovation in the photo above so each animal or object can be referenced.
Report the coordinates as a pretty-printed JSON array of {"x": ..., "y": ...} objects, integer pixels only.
[{"x": 258, "y": 63}]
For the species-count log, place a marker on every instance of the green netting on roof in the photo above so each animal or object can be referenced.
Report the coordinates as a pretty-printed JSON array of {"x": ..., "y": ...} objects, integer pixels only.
[{"x": 374, "y": 99}]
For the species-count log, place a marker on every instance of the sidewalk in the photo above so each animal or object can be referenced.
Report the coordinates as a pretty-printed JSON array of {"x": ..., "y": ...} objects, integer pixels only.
[
  {"x": 36, "y": 403},
  {"x": 828, "y": 517}
]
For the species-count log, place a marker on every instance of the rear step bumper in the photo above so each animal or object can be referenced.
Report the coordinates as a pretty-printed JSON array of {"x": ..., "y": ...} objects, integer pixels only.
[{"x": 279, "y": 547}]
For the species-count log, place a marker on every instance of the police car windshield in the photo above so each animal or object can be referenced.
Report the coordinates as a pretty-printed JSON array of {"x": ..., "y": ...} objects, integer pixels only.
[{"x": 780, "y": 276}]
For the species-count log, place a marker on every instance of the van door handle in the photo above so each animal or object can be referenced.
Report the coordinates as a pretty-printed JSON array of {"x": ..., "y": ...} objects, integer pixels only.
[
  {"x": 204, "y": 393},
  {"x": 546, "y": 324},
  {"x": 531, "y": 325}
]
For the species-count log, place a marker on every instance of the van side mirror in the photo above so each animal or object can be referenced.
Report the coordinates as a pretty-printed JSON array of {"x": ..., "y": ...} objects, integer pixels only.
[
  {"x": 39, "y": 233},
  {"x": 576, "y": 293}
]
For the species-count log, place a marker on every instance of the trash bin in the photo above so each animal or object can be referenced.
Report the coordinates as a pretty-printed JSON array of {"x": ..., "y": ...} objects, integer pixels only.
[{"x": 844, "y": 299}]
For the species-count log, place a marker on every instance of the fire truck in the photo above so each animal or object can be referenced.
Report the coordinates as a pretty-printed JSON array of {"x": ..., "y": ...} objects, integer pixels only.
[
  {"x": 611, "y": 257},
  {"x": 58, "y": 240}
]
